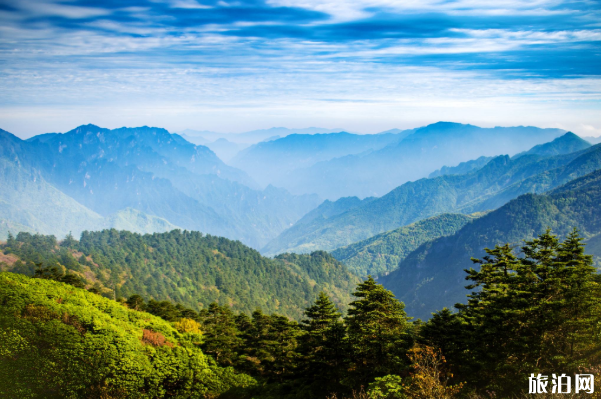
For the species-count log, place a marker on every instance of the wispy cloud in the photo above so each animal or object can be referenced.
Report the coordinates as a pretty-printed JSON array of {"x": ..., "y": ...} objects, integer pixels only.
[{"x": 282, "y": 57}]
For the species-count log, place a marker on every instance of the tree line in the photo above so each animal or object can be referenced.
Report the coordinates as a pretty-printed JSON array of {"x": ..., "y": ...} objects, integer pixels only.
[{"x": 536, "y": 311}]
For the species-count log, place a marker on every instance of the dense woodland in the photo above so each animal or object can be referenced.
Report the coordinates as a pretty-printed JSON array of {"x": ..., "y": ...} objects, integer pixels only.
[
  {"x": 536, "y": 310},
  {"x": 185, "y": 267}
]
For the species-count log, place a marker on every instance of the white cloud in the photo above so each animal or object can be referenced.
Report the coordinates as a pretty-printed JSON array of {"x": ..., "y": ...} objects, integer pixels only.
[
  {"x": 345, "y": 10},
  {"x": 49, "y": 8}
]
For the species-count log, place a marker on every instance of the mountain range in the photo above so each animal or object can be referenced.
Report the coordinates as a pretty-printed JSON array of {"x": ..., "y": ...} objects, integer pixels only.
[
  {"x": 424, "y": 150},
  {"x": 93, "y": 173},
  {"x": 271, "y": 161},
  {"x": 498, "y": 181},
  {"x": 146, "y": 180},
  {"x": 432, "y": 276},
  {"x": 253, "y": 136}
]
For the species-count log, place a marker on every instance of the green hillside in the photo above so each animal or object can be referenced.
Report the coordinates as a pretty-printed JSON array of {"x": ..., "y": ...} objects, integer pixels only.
[
  {"x": 432, "y": 276},
  {"x": 382, "y": 253},
  {"x": 186, "y": 267},
  {"x": 58, "y": 341},
  {"x": 500, "y": 180}
]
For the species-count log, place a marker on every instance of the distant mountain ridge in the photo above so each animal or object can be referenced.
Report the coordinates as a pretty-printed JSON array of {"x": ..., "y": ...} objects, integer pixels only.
[
  {"x": 271, "y": 161},
  {"x": 157, "y": 173},
  {"x": 565, "y": 144},
  {"x": 416, "y": 156},
  {"x": 500, "y": 180},
  {"x": 255, "y": 136}
]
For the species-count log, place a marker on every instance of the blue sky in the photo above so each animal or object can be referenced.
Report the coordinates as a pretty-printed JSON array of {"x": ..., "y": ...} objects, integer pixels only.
[{"x": 365, "y": 65}]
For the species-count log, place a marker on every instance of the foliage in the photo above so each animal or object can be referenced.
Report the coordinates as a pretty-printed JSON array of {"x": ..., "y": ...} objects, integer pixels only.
[
  {"x": 59, "y": 341},
  {"x": 377, "y": 332},
  {"x": 189, "y": 268},
  {"x": 550, "y": 296},
  {"x": 430, "y": 376},
  {"x": 387, "y": 387}
]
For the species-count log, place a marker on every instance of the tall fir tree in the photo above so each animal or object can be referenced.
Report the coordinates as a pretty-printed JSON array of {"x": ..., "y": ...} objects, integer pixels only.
[
  {"x": 535, "y": 314},
  {"x": 323, "y": 348},
  {"x": 378, "y": 333},
  {"x": 221, "y": 335}
]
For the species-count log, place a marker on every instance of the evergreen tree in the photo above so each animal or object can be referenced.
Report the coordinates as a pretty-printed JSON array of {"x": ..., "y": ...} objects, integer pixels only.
[
  {"x": 136, "y": 302},
  {"x": 539, "y": 313},
  {"x": 323, "y": 347},
  {"x": 378, "y": 333},
  {"x": 221, "y": 335},
  {"x": 69, "y": 241},
  {"x": 446, "y": 331},
  {"x": 270, "y": 344}
]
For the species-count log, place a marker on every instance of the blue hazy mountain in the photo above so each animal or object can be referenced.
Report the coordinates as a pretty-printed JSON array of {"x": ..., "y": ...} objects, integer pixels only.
[
  {"x": 565, "y": 144},
  {"x": 593, "y": 140},
  {"x": 502, "y": 179},
  {"x": 253, "y": 136},
  {"x": 416, "y": 156},
  {"x": 272, "y": 161},
  {"x": 225, "y": 149},
  {"x": 462, "y": 168},
  {"x": 432, "y": 276},
  {"x": 159, "y": 174}
]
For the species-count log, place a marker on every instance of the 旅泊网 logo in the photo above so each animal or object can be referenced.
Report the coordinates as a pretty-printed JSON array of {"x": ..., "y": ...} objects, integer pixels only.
[{"x": 582, "y": 383}]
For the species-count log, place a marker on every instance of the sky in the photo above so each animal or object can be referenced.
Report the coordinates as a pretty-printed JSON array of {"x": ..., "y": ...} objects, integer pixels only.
[{"x": 363, "y": 65}]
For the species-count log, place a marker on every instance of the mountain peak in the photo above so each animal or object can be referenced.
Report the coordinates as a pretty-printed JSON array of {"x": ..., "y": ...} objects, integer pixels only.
[{"x": 569, "y": 142}]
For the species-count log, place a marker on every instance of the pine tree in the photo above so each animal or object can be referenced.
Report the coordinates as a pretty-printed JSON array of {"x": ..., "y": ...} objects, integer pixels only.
[
  {"x": 270, "y": 344},
  {"x": 538, "y": 313},
  {"x": 446, "y": 331},
  {"x": 323, "y": 347},
  {"x": 378, "y": 333},
  {"x": 221, "y": 335}
]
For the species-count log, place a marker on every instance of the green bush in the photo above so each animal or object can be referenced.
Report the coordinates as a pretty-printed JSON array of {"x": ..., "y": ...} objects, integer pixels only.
[{"x": 58, "y": 341}]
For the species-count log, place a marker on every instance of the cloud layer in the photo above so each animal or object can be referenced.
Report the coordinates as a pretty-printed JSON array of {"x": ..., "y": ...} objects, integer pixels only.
[{"x": 239, "y": 65}]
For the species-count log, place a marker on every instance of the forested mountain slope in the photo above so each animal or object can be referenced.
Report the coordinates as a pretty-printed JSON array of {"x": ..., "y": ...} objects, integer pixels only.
[
  {"x": 157, "y": 173},
  {"x": 382, "y": 253},
  {"x": 416, "y": 156},
  {"x": 500, "y": 180},
  {"x": 187, "y": 267},
  {"x": 432, "y": 276}
]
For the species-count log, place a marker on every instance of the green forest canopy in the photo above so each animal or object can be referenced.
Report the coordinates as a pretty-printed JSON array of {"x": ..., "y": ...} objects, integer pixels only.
[{"x": 186, "y": 267}]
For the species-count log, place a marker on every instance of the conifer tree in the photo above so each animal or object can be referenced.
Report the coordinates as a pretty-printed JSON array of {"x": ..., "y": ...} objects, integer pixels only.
[
  {"x": 538, "y": 313},
  {"x": 378, "y": 333},
  {"x": 446, "y": 331},
  {"x": 221, "y": 335},
  {"x": 270, "y": 344},
  {"x": 323, "y": 347}
]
